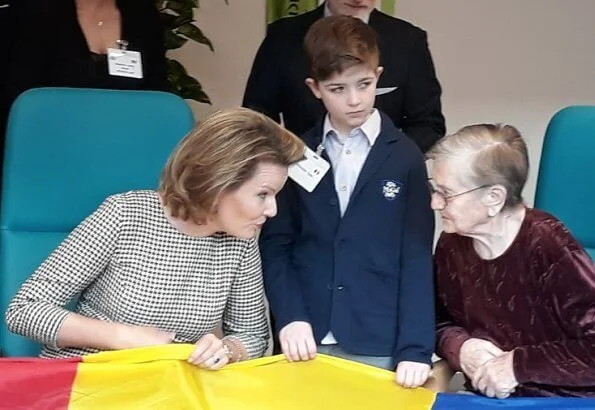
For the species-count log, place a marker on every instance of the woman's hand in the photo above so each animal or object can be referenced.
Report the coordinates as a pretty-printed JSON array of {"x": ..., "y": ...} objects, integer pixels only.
[
  {"x": 496, "y": 378},
  {"x": 412, "y": 374},
  {"x": 131, "y": 336},
  {"x": 474, "y": 353},
  {"x": 209, "y": 353},
  {"x": 297, "y": 341}
]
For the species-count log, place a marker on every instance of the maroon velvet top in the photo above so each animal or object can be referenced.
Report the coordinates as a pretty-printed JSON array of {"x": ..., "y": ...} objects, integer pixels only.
[{"x": 537, "y": 298}]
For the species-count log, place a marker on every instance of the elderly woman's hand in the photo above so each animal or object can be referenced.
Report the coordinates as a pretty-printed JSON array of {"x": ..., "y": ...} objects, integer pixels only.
[
  {"x": 496, "y": 378},
  {"x": 297, "y": 341},
  {"x": 474, "y": 353},
  {"x": 412, "y": 374},
  {"x": 209, "y": 353}
]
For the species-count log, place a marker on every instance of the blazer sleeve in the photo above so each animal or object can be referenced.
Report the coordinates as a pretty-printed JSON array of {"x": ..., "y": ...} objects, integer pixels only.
[
  {"x": 263, "y": 90},
  {"x": 144, "y": 18},
  {"x": 423, "y": 120},
  {"x": 27, "y": 66},
  {"x": 276, "y": 242},
  {"x": 416, "y": 325}
]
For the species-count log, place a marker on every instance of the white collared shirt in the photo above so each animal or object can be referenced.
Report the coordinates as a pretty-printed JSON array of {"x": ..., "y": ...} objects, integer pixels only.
[
  {"x": 348, "y": 153},
  {"x": 328, "y": 12}
]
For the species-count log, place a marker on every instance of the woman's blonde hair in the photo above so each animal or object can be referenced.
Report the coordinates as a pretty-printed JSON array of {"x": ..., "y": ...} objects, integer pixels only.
[
  {"x": 220, "y": 154},
  {"x": 496, "y": 155}
]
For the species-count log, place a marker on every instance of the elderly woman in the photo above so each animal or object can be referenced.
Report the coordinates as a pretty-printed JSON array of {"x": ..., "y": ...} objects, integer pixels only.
[
  {"x": 516, "y": 292},
  {"x": 155, "y": 267}
]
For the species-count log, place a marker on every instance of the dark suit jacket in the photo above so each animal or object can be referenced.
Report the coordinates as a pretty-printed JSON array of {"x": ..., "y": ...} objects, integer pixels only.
[
  {"x": 367, "y": 276},
  {"x": 7, "y": 38},
  {"x": 276, "y": 83},
  {"x": 51, "y": 49}
]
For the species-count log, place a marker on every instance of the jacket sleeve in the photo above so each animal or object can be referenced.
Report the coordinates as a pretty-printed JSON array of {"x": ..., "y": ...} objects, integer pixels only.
[
  {"x": 263, "y": 90},
  {"x": 244, "y": 317},
  {"x": 423, "y": 120},
  {"x": 276, "y": 245},
  {"x": 154, "y": 42},
  {"x": 38, "y": 309},
  {"x": 27, "y": 64},
  {"x": 416, "y": 326}
]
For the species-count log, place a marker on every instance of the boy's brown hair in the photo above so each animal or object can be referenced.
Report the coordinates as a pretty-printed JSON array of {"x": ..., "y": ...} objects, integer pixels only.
[{"x": 335, "y": 43}]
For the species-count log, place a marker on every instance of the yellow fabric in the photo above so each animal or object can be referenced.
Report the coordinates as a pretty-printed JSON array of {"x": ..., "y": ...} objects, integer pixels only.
[{"x": 159, "y": 378}]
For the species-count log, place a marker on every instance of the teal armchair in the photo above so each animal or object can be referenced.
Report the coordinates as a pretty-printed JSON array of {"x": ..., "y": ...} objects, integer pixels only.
[
  {"x": 566, "y": 180},
  {"x": 66, "y": 151}
]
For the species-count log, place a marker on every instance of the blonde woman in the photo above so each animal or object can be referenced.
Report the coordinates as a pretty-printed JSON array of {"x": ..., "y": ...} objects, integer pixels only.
[{"x": 155, "y": 267}]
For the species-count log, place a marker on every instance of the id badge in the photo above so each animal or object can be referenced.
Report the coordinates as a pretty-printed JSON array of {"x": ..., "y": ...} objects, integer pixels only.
[
  {"x": 308, "y": 172},
  {"x": 124, "y": 63}
]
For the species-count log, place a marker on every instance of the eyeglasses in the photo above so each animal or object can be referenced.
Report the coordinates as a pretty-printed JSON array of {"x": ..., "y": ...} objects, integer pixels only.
[{"x": 444, "y": 199}]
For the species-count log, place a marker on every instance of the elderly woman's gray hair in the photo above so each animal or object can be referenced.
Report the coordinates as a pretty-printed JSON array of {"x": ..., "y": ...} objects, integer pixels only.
[{"x": 492, "y": 154}]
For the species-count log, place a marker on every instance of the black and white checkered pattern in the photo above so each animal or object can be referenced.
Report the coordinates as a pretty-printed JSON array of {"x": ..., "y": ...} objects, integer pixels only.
[{"x": 130, "y": 265}]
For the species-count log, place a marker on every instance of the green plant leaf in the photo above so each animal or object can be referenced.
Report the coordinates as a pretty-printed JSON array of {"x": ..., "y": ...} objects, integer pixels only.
[
  {"x": 194, "y": 33},
  {"x": 184, "y": 85},
  {"x": 181, "y": 9},
  {"x": 173, "y": 41},
  {"x": 177, "y": 17},
  {"x": 169, "y": 21},
  {"x": 181, "y": 20}
]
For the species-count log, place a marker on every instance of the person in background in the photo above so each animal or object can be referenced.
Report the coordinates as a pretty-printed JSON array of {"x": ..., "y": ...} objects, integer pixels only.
[
  {"x": 516, "y": 291},
  {"x": 64, "y": 43},
  {"x": 348, "y": 267},
  {"x": 156, "y": 267},
  {"x": 408, "y": 90},
  {"x": 7, "y": 38}
]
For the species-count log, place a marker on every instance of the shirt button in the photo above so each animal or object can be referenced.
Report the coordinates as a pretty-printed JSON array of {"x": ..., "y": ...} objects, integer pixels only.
[
  {"x": 340, "y": 287},
  {"x": 348, "y": 151},
  {"x": 343, "y": 187}
]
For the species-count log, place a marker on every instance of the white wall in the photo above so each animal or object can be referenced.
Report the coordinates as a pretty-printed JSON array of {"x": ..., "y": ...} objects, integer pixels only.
[
  {"x": 515, "y": 61},
  {"x": 236, "y": 31}
]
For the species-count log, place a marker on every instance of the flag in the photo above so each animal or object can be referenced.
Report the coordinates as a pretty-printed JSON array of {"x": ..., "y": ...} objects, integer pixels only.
[
  {"x": 160, "y": 378},
  {"x": 277, "y": 9}
]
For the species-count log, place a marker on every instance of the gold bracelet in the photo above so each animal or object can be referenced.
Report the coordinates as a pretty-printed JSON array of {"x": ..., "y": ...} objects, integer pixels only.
[{"x": 235, "y": 346}]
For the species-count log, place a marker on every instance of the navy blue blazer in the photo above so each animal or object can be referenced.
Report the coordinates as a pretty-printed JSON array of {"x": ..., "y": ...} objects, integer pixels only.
[{"x": 368, "y": 275}]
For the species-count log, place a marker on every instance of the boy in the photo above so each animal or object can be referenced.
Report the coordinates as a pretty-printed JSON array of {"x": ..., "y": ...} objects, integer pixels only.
[{"x": 348, "y": 267}]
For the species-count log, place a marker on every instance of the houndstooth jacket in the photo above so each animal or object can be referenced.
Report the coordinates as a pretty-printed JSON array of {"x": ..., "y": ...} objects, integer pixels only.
[{"x": 130, "y": 265}]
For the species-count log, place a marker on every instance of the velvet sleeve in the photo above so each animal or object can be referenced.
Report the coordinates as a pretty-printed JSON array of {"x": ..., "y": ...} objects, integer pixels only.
[{"x": 566, "y": 360}]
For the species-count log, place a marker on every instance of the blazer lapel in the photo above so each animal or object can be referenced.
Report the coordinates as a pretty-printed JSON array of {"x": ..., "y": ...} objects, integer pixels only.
[
  {"x": 313, "y": 139},
  {"x": 378, "y": 154}
]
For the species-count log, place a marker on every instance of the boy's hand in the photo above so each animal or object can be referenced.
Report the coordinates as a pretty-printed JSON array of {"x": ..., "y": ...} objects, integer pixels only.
[
  {"x": 412, "y": 374},
  {"x": 297, "y": 341}
]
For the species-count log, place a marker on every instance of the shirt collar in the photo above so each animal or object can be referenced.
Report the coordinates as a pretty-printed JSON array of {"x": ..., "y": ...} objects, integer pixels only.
[
  {"x": 328, "y": 12},
  {"x": 370, "y": 128}
]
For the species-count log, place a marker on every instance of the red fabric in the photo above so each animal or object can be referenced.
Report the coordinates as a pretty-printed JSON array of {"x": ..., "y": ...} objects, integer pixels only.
[{"x": 31, "y": 384}]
